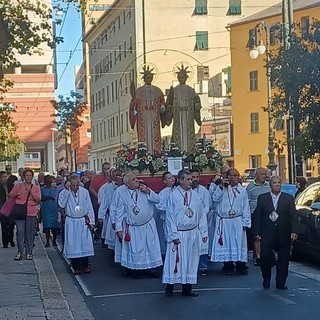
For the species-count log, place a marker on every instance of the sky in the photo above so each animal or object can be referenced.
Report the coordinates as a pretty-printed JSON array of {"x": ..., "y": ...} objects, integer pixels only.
[{"x": 71, "y": 33}]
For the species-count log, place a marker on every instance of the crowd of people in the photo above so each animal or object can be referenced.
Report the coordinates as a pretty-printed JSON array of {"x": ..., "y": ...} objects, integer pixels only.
[{"x": 182, "y": 228}]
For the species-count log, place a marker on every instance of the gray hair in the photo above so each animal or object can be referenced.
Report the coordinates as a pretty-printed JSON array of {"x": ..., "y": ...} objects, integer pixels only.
[
  {"x": 275, "y": 177},
  {"x": 127, "y": 176}
]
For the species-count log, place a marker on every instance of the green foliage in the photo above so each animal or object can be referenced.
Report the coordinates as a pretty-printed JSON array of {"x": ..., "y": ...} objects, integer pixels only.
[
  {"x": 296, "y": 77},
  {"x": 10, "y": 143},
  {"x": 68, "y": 111},
  {"x": 24, "y": 26}
]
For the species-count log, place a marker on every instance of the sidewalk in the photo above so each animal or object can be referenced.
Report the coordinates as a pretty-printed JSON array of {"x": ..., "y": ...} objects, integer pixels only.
[{"x": 30, "y": 290}]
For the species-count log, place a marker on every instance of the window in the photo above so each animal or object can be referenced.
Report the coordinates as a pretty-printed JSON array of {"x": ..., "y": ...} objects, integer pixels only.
[
  {"x": 255, "y": 161},
  {"x": 117, "y": 125},
  {"x": 116, "y": 89},
  {"x": 253, "y": 80},
  {"x": 124, "y": 17},
  {"x": 103, "y": 98},
  {"x": 120, "y": 52},
  {"x": 254, "y": 122},
  {"x": 108, "y": 95},
  {"x": 234, "y": 7},
  {"x": 275, "y": 35},
  {"x": 104, "y": 130},
  {"x": 99, "y": 99},
  {"x": 93, "y": 137},
  {"x": 112, "y": 92},
  {"x": 115, "y": 56},
  {"x": 252, "y": 39},
  {"x": 279, "y": 123},
  {"x": 124, "y": 48},
  {"x": 100, "y": 131},
  {"x": 110, "y": 60},
  {"x": 305, "y": 25},
  {"x": 119, "y": 22},
  {"x": 130, "y": 44},
  {"x": 113, "y": 127},
  {"x": 89, "y": 133},
  {"x": 200, "y": 7},
  {"x": 127, "y": 121},
  {"x": 121, "y": 123},
  {"x": 201, "y": 40},
  {"x": 109, "y": 129},
  {"x": 92, "y": 103}
]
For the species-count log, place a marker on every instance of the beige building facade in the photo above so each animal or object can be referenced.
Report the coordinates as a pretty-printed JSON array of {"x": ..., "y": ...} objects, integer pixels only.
[{"x": 163, "y": 33}]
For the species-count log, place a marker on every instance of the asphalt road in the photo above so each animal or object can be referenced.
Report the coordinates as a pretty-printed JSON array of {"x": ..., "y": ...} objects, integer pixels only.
[{"x": 110, "y": 294}]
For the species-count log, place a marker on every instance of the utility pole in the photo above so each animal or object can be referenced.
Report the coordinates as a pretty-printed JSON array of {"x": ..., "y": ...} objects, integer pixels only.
[{"x": 287, "y": 19}]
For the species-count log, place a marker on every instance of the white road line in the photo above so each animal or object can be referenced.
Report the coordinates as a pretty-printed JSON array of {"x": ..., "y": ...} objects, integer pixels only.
[
  {"x": 280, "y": 298},
  {"x": 162, "y": 292},
  {"x": 84, "y": 288}
]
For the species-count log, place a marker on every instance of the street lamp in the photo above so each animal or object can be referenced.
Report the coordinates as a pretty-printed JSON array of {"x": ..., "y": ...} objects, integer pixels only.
[
  {"x": 254, "y": 53},
  {"x": 53, "y": 130}
]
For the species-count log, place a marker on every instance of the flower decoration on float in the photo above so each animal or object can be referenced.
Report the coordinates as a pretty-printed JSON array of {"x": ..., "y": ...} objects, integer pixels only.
[{"x": 139, "y": 159}]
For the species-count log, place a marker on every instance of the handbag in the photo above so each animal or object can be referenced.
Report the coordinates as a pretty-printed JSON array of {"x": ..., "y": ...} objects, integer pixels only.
[
  {"x": 7, "y": 207},
  {"x": 19, "y": 211}
]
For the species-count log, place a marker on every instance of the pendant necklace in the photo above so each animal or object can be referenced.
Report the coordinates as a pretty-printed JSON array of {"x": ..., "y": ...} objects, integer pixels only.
[
  {"x": 231, "y": 212},
  {"x": 189, "y": 211},
  {"x": 134, "y": 197},
  {"x": 77, "y": 208}
]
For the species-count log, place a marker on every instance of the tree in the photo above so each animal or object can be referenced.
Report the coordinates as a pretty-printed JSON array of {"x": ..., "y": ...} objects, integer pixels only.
[
  {"x": 296, "y": 76},
  {"x": 67, "y": 116}
]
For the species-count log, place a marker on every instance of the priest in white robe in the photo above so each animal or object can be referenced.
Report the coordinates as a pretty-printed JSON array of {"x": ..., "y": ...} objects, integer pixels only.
[
  {"x": 136, "y": 229},
  {"x": 161, "y": 208},
  {"x": 206, "y": 204},
  {"x": 186, "y": 225},
  {"x": 232, "y": 219},
  {"x": 105, "y": 196},
  {"x": 79, "y": 219}
]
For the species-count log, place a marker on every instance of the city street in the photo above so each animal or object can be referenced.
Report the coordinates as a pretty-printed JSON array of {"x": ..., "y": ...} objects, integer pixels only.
[{"x": 109, "y": 294}]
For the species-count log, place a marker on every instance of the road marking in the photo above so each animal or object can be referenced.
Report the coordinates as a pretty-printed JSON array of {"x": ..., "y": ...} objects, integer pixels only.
[
  {"x": 84, "y": 288},
  {"x": 300, "y": 269},
  {"x": 280, "y": 298},
  {"x": 162, "y": 292}
]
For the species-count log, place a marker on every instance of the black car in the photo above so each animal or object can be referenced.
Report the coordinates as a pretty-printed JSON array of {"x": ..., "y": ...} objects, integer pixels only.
[{"x": 308, "y": 211}]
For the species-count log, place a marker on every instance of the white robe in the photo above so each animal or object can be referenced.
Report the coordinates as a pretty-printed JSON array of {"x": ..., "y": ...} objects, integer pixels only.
[
  {"x": 190, "y": 231},
  {"x": 105, "y": 196},
  {"x": 160, "y": 216},
  {"x": 78, "y": 238},
  {"x": 143, "y": 250},
  {"x": 112, "y": 240},
  {"x": 206, "y": 201},
  {"x": 234, "y": 239}
]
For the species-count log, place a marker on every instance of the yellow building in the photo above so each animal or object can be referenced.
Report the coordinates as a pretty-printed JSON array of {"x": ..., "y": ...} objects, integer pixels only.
[{"x": 249, "y": 90}]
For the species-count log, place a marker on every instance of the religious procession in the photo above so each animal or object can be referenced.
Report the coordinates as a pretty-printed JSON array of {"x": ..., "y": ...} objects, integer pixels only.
[{"x": 172, "y": 232}]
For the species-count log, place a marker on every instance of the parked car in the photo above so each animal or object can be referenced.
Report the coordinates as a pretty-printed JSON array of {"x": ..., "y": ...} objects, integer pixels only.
[
  {"x": 308, "y": 211},
  {"x": 249, "y": 174}
]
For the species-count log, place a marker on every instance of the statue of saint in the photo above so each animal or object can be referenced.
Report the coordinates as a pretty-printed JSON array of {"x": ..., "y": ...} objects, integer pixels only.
[
  {"x": 183, "y": 107},
  {"x": 147, "y": 109}
]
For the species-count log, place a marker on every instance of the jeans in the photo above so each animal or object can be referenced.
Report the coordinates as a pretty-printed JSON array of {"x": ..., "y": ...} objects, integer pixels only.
[{"x": 203, "y": 262}]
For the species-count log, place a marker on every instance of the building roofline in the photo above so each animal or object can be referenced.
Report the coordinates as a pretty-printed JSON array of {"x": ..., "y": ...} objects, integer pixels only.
[
  {"x": 109, "y": 11},
  {"x": 275, "y": 10}
]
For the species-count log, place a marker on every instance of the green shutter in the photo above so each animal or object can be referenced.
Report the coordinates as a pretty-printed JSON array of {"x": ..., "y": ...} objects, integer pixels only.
[
  {"x": 229, "y": 80},
  {"x": 201, "y": 7},
  {"x": 202, "y": 40},
  {"x": 235, "y": 7}
]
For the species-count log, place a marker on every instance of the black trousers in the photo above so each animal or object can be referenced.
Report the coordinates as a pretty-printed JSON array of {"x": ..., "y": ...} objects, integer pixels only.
[
  {"x": 267, "y": 261},
  {"x": 7, "y": 226},
  {"x": 80, "y": 263}
]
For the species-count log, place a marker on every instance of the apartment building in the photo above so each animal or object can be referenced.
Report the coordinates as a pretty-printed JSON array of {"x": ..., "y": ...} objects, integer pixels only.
[
  {"x": 163, "y": 33},
  {"x": 249, "y": 90},
  {"x": 33, "y": 89}
]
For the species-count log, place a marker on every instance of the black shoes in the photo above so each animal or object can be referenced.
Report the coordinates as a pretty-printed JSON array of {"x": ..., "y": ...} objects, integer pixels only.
[
  {"x": 281, "y": 287},
  {"x": 204, "y": 272},
  {"x": 189, "y": 293},
  {"x": 257, "y": 262},
  {"x": 266, "y": 283},
  {"x": 169, "y": 290}
]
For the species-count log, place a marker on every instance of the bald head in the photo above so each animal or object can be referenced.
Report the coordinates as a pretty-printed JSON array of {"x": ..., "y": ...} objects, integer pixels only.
[{"x": 260, "y": 175}]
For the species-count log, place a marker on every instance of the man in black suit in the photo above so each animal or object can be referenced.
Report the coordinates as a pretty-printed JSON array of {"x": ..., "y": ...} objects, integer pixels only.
[{"x": 275, "y": 224}]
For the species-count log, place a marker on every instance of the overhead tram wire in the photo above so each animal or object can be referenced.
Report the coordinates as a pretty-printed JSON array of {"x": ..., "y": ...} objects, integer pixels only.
[
  {"x": 71, "y": 54},
  {"x": 51, "y": 61}
]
